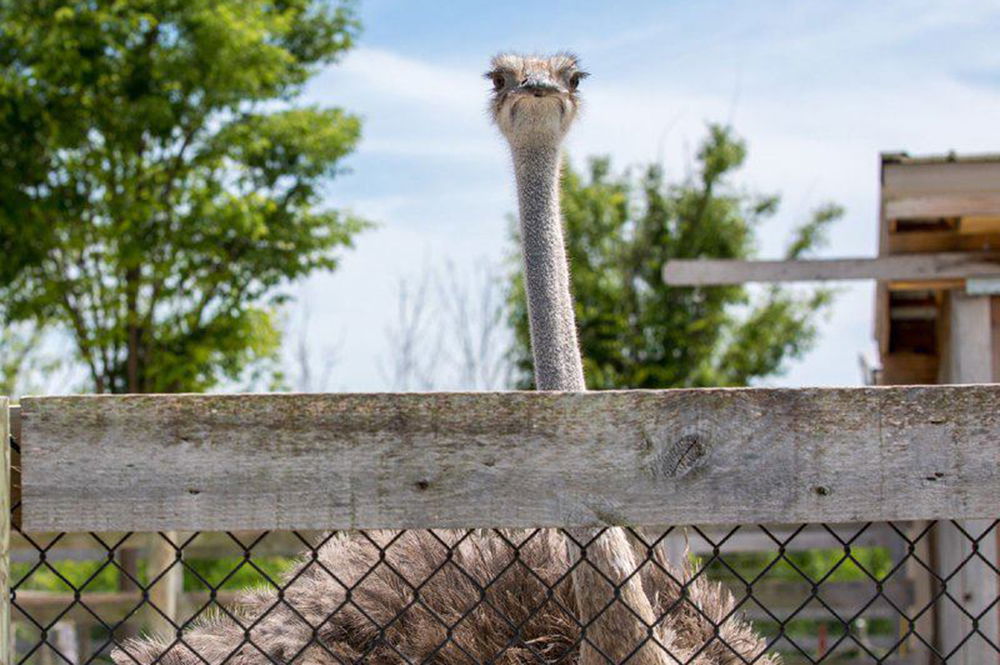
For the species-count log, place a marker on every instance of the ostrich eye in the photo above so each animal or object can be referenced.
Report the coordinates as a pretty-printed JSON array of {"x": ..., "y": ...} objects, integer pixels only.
[
  {"x": 574, "y": 80},
  {"x": 498, "y": 81}
]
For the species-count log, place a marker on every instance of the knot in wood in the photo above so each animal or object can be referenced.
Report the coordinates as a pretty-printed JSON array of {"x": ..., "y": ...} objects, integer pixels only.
[{"x": 681, "y": 457}]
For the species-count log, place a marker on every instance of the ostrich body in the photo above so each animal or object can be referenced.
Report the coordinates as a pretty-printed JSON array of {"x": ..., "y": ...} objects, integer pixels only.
[{"x": 506, "y": 597}]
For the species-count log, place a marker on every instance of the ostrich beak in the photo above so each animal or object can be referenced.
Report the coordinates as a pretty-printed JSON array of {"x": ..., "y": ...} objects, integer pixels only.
[{"x": 538, "y": 85}]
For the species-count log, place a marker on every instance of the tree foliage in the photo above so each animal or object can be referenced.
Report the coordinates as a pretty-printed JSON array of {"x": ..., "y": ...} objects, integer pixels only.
[
  {"x": 157, "y": 182},
  {"x": 637, "y": 332}
]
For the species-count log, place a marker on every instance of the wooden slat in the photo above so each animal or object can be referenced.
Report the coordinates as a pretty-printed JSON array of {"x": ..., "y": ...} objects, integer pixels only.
[
  {"x": 907, "y": 368},
  {"x": 941, "y": 177},
  {"x": 940, "y": 241},
  {"x": 15, "y": 466},
  {"x": 933, "y": 207},
  {"x": 6, "y": 634},
  {"x": 205, "y": 546},
  {"x": 945, "y": 265},
  {"x": 983, "y": 286},
  {"x": 794, "y": 538},
  {"x": 217, "y": 462},
  {"x": 848, "y": 599},
  {"x": 979, "y": 225},
  {"x": 995, "y": 342},
  {"x": 969, "y": 578},
  {"x": 781, "y": 598},
  {"x": 93, "y": 607},
  {"x": 838, "y": 651}
]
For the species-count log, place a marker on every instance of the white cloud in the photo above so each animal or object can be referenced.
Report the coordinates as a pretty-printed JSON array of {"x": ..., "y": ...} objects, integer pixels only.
[
  {"x": 396, "y": 76},
  {"x": 434, "y": 171}
]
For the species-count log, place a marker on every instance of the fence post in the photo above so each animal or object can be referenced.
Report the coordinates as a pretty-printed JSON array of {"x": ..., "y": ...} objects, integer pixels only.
[
  {"x": 971, "y": 583},
  {"x": 165, "y": 594},
  {"x": 6, "y": 630}
]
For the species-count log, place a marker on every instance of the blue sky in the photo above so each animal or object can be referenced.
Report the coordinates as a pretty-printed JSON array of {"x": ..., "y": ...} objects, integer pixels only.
[{"x": 817, "y": 88}]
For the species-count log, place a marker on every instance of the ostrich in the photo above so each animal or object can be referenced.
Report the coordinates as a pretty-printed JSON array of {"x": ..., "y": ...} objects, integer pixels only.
[{"x": 501, "y": 596}]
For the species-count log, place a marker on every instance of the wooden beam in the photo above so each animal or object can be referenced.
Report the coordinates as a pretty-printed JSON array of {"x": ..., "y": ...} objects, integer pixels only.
[
  {"x": 979, "y": 225},
  {"x": 781, "y": 598},
  {"x": 6, "y": 631},
  {"x": 983, "y": 286},
  {"x": 711, "y": 456},
  {"x": 940, "y": 241},
  {"x": 970, "y": 580},
  {"x": 915, "y": 178},
  {"x": 945, "y": 265},
  {"x": 14, "y": 413},
  {"x": 164, "y": 565},
  {"x": 218, "y": 545},
  {"x": 943, "y": 205}
]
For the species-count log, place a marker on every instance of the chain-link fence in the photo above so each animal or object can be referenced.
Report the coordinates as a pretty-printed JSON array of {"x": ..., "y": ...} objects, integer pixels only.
[{"x": 859, "y": 593}]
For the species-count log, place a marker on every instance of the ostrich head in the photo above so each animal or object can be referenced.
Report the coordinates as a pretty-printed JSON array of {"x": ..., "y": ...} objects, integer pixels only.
[{"x": 534, "y": 99}]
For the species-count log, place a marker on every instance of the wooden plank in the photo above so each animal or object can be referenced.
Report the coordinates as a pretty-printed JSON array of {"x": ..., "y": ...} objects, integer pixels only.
[
  {"x": 971, "y": 343},
  {"x": 45, "y": 606},
  {"x": 983, "y": 286},
  {"x": 164, "y": 594},
  {"x": 882, "y": 325},
  {"x": 6, "y": 632},
  {"x": 939, "y": 241},
  {"x": 781, "y": 598},
  {"x": 914, "y": 267},
  {"x": 943, "y": 205},
  {"x": 713, "y": 456},
  {"x": 995, "y": 342},
  {"x": 14, "y": 412},
  {"x": 907, "y": 368},
  {"x": 980, "y": 224},
  {"x": 81, "y": 547},
  {"x": 209, "y": 545},
  {"x": 941, "y": 177},
  {"x": 848, "y": 599},
  {"x": 971, "y": 581},
  {"x": 794, "y": 537}
]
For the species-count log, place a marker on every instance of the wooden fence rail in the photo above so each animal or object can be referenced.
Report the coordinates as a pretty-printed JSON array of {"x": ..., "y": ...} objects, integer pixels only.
[{"x": 712, "y": 456}]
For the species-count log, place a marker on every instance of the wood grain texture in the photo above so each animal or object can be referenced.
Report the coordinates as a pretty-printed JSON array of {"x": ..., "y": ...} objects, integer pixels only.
[
  {"x": 944, "y": 265},
  {"x": 714, "y": 456}
]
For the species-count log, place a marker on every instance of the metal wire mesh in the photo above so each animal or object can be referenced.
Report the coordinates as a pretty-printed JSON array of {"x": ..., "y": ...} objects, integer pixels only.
[{"x": 817, "y": 593}]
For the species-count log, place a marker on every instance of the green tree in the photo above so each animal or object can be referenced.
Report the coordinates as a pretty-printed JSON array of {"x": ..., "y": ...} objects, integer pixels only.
[
  {"x": 637, "y": 332},
  {"x": 158, "y": 183}
]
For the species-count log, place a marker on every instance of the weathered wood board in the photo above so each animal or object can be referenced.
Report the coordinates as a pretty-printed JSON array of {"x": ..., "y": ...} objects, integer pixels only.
[
  {"x": 943, "y": 206},
  {"x": 713, "y": 456},
  {"x": 6, "y": 628},
  {"x": 908, "y": 268},
  {"x": 974, "y": 174}
]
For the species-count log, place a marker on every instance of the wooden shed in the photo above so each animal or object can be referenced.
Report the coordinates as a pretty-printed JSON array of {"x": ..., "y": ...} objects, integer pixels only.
[{"x": 942, "y": 212}]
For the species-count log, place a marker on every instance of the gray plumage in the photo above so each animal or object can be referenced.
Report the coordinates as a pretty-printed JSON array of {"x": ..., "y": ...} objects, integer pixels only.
[
  {"x": 485, "y": 602},
  {"x": 452, "y": 598}
]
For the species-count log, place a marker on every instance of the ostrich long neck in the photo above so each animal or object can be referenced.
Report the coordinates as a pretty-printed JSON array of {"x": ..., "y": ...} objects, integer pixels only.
[
  {"x": 615, "y": 630},
  {"x": 546, "y": 276}
]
